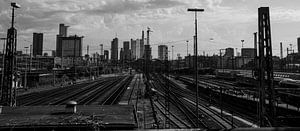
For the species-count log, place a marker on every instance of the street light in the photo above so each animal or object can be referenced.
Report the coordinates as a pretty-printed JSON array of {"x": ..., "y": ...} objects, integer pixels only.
[
  {"x": 187, "y": 48},
  {"x": 15, "y": 5},
  {"x": 242, "y": 52},
  {"x": 196, "y": 54}
]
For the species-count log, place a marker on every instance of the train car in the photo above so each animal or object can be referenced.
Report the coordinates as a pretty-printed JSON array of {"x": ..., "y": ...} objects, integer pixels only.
[
  {"x": 206, "y": 71},
  {"x": 232, "y": 75},
  {"x": 289, "y": 83},
  {"x": 246, "y": 81},
  {"x": 290, "y": 98}
]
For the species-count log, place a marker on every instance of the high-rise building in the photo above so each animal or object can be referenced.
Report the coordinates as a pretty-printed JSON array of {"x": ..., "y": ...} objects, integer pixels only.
[
  {"x": 142, "y": 48},
  {"x": 114, "y": 49},
  {"x": 63, "y": 30},
  {"x": 126, "y": 50},
  {"x": 229, "y": 52},
  {"x": 101, "y": 52},
  {"x": 122, "y": 55},
  {"x": 71, "y": 46},
  {"x": 163, "y": 52},
  {"x": 248, "y": 52},
  {"x": 37, "y": 44},
  {"x": 138, "y": 49},
  {"x": 53, "y": 53},
  {"x": 133, "y": 49},
  {"x": 148, "y": 52},
  {"x": 106, "y": 54}
]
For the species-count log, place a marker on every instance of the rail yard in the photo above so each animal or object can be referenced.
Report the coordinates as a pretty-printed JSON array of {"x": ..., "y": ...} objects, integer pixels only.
[
  {"x": 166, "y": 101},
  {"x": 130, "y": 87}
]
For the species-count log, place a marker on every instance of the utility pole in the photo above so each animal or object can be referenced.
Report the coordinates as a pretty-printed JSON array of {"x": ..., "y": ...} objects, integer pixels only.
[
  {"x": 196, "y": 62},
  {"x": 8, "y": 92},
  {"x": 281, "y": 57},
  {"x": 242, "y": 52},
  {"x": 287, "y": 59},
  {"x": 167, "y": 95},
  {"x": 281, "y": 51}
]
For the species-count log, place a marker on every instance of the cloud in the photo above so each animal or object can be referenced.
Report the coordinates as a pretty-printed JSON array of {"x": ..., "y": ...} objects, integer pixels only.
[
  {"x": 280, "y": 14},
  {"x": 227, "y": 21}
]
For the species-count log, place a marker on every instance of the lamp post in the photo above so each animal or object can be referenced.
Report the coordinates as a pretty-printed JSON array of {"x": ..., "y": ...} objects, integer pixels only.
[
  {"x": 242, "y": 52},
  {"x": 25, "y": 79},
  {"x": 187, "y": 48},
  {"x": 187, "y": 52},
  {"x": 196, "y": 54}
]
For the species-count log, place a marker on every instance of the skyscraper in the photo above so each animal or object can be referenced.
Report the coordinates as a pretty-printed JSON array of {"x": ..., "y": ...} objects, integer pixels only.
[
  {"x": 106, "y": 54},
  {"x": 133, "y": 49},
  {"x": 71, "y": 46},
  {"x": 101, "y": 52},
  {"x": 63, "y": 32},
  {"x": 122, "y": 55},
  {"x": 148, "y": 52},
  {"x": 114, "y": 49},
  {"x": 229, "y": 52},
  {"x": 138, "y": 49},
  {"x": 142, "y": 45},
  {"x": 142, "y": 48},
  {"x": 37, "y": 44},
  {"x": 248, "y": 52},
  {"x": 126, "y": 50},
  {"x": 163, "y": 52}
]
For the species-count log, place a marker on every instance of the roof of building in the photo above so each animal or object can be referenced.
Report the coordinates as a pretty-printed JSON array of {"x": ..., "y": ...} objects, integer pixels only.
[{"x": 92, "y": 116}]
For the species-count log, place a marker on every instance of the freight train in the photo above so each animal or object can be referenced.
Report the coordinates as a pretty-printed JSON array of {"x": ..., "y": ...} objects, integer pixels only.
[{"x": 289, "y": 83}]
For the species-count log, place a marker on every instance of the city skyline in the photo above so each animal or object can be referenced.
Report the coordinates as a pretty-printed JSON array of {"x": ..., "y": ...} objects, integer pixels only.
[{"x": 226, "y": 22}]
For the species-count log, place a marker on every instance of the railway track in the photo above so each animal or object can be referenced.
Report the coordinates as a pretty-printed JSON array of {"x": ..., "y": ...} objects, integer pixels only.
[
  {"x": 84, "y": 94},
  {"x": 175, "y": 119},
  {"x": 214, "y": 86},
  {"x": 117, "y": 93},
  {"x": 185, "y": 113},
  {"x": 185, "y": 102},
  {"x": 27, "y": 98},
  {"x": 213, "y": 120}
]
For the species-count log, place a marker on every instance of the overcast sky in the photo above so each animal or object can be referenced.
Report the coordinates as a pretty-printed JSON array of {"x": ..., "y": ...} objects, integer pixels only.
[{"x": 227, "y": 22}]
